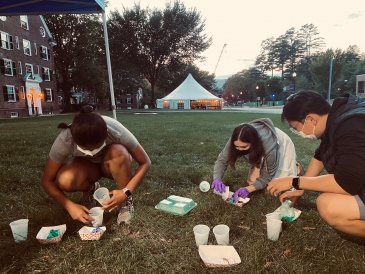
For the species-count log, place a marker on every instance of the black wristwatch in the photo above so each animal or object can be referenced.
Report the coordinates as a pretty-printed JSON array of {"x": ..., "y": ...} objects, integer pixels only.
[
  {"x": 127, "y": 192},
  {"x": 295, "y": 183}
]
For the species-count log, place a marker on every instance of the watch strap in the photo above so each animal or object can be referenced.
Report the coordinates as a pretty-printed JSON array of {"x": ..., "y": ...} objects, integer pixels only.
[
  {"x": 295, "y": 183},
  {"x": 127, "y": 192}
]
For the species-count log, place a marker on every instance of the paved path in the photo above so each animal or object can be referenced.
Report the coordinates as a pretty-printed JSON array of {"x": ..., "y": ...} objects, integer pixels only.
[{"x": 277, "y": 110}]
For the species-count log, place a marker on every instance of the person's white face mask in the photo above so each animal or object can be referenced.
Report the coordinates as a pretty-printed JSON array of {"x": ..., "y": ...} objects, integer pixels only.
[
  {"x": 91, "y": 152},
  {"x": 303, "y": 135}
]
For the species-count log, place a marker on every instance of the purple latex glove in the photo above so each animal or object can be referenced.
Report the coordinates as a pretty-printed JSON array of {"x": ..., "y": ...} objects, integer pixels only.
[
  {"x": 242, "y": 192},
  {"x": 218, "y": 186}
]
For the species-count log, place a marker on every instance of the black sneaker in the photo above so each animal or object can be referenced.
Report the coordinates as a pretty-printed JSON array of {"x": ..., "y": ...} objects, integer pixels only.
[{"x": 88, "y": 197}]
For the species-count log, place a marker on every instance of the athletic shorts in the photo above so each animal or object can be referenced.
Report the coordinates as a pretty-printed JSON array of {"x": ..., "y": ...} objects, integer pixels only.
[{"x": 361, "y": 205}]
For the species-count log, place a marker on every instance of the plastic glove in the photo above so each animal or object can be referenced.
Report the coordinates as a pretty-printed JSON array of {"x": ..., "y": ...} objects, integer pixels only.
[
  {"x": 242, "y": 192},
  {"x": 218, "y": 185}
]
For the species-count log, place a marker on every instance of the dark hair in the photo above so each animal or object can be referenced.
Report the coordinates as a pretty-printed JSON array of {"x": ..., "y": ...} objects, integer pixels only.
[
  {"x": 87, "y": 127},
  {"x": 248, "y": 134},
  {"x": 300, "y": 104}
]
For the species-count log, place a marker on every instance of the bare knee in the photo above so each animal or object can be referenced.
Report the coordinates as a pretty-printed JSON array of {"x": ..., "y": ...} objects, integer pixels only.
[
  {"x": 66, "y": 180},
  {"x": 326, "y": 207}
]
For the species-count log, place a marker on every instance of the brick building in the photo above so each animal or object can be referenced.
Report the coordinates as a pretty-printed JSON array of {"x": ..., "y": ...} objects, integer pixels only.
[{"x": 26, "y": 61}]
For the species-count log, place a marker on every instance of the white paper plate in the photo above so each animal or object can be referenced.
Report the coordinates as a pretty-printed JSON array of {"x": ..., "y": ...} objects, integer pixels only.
[{"x": 217, "y": 255}]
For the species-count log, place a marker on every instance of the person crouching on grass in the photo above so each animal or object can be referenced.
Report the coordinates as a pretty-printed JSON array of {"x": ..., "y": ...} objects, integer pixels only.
[
  {"x": 341, "y": 152},
  {"x": 99, "y": 146},
  {"x": 269, "y": 151}
]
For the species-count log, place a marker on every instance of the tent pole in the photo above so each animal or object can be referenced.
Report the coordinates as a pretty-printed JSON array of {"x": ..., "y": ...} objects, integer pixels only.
[{"x": 109, "y": 66}]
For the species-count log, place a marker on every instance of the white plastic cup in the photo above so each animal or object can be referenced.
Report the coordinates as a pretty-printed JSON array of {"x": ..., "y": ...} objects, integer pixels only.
[
  {"x": 19, "y": 229},
  {"x": 201, "y": 233},
  {"x": 101, "y": 195},
  {"x": 225, "y": 195},
  {"x": 273, "y": 229},
  {"x": 204, "y": 186},
  {"x": 274, "y": 215},
  {"x": 221, "y": 233},
  {"x": 97, "y": 214}
]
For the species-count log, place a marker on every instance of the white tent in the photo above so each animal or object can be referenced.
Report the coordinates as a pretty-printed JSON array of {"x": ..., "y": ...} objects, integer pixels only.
[{"x": 190, "y": 95}]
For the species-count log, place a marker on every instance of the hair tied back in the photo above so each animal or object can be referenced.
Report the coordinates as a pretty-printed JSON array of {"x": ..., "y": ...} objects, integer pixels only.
[{"x": 86, "y": 109}]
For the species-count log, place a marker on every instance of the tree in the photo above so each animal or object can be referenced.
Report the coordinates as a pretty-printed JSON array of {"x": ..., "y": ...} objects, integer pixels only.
[
  {"x": 153, "y": 40},
  {"x": 308, "y": 33},
  {"x": 79, "y": 53},
  {"x": 240, "y": 85},
  {"x": 320, "y": 68}
]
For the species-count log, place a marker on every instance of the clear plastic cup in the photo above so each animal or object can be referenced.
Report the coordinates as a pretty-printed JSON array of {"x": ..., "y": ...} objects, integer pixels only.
[
  {"x": 101, "y": 195},
  {"x": 201, "y": 233},
  {"x": 19, "y": 229},
  {"x": 97, "y": 214},
  {"x": 221, "y": 233},
  {"x": 273, "y": 229}
]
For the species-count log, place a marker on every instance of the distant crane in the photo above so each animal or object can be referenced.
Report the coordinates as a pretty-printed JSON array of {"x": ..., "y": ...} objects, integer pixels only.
[{"x": 219, "y": 58}]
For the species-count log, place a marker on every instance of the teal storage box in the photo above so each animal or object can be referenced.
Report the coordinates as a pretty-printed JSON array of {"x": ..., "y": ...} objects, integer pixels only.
[{"x": 176, "y": 205}]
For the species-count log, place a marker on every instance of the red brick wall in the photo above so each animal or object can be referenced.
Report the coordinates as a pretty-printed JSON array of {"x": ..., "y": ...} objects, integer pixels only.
[{"x": 12, "y": 26}]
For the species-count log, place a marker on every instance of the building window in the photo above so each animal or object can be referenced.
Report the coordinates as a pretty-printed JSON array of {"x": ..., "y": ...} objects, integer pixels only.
[
  {"x": 22, "y": 92},
  {"x": 8, "y": 67},
  {"x": 26, "y": 46},
  {"x": 361, "y": 87},
  {"x": 9, "y": 93},
  {"x": 35, "y": 48},
  {"x": 29, "y": 69},
  {"x": 20, "y": 68},
  {"x": 128, "y": 100},
  {"x": 180, "y": 105},
  {"x": 46, "y": 74},
  {"x": 13, "y": 114},
  {"x": 44, "y": 52},
  {"x": 48, "y": 95},
  {"x": 6, "y": 41},
  {"x": 24, "y": 21},
  {"x": 17, "y": 42}
]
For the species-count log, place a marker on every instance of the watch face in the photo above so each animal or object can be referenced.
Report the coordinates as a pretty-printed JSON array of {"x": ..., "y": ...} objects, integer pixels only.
[{"x": 42, "y": 31}]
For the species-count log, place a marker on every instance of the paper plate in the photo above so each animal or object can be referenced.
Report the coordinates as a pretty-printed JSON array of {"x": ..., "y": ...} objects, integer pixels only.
[
  {"x": 86, "y": 235},
  {"x": 43, "y": 233},
  {"x": 219, "y": 255}
]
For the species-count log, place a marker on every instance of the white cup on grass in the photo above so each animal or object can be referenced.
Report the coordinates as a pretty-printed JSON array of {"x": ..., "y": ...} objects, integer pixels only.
[
  {"x": 19, "y": 229},
  {"x": 221, "y": 233},
  {"x": 273, "y": 229},
  {"x": 201, "y": 233}
]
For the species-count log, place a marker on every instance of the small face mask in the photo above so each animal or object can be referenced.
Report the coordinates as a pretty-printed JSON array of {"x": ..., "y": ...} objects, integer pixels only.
[
  {"x": 93, "y": 152},
  {"x": 303, "y": 135}
]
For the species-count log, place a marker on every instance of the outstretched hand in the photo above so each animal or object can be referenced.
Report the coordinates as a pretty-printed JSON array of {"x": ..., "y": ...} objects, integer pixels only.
[
  {"x": 278, "y": 185},
  {"x": 293, "y": 195},
  {"x": 242, "y": 192},
  {"x": 116, "y": 200},
  {"x": 218, "y": 185},
  {"x": 80, "y": 213}
]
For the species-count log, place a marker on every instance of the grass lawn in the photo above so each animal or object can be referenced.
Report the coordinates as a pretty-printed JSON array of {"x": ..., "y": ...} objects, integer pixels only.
[{"x": 183, "y": 147}]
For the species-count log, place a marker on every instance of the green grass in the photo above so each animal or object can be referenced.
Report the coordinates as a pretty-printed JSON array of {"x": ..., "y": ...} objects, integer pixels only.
[{"x": 183, "y": 147}]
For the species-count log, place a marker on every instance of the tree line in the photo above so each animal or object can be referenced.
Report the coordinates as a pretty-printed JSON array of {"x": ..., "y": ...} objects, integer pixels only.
[{"x": 154, "y": 49}]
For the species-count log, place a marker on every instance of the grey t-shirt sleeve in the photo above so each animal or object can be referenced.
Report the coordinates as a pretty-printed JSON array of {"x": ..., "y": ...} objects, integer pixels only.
[
  {"x": 221, "y": 164},
  {"x": 120, "y": 134},
  {"x": 61, "y": 147}
]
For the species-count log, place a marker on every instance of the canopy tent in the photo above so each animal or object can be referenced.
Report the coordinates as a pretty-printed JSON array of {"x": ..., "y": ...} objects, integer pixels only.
[
  {"x": 42, "y": 7},
  {"x": 190, "y": 95}
]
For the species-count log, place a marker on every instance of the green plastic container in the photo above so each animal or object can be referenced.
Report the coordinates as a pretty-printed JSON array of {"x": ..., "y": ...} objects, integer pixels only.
[{"x": 176, "y": 205}]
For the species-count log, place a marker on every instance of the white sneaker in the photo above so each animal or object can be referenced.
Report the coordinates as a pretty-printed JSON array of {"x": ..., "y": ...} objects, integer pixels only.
[{"x": 126, "y": 212}]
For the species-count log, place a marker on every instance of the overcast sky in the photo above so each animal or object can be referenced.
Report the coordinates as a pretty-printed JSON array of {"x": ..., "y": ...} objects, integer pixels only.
[{"x": 244, "y": 24}]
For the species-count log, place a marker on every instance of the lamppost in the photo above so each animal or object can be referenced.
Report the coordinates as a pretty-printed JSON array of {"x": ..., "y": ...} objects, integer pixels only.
[
  {"x": 30, "y": 96},
  {"x": 40, "y": 95},
  {"x": 273, "y": 100},
  {"x": 294, "y": 75},
  {"x": 258, "y": 98}
]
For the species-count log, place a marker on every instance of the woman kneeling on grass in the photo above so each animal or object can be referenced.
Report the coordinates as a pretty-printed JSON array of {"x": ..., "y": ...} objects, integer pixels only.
[
  {"x": 268, "y": 150},
  {"x": 99, "y": 146},
  {"x": 340, "y": 129}
]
